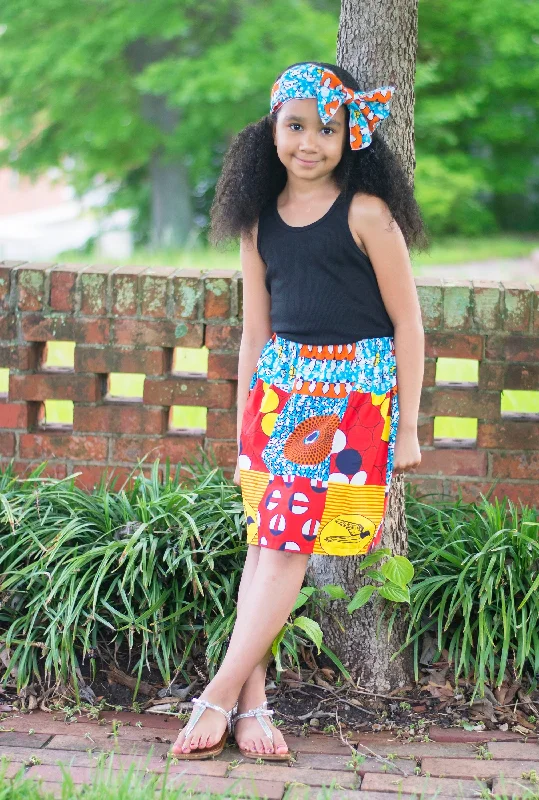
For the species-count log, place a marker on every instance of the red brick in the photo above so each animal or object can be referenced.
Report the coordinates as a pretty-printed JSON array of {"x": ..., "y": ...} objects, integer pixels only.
[
  {"x": 425, "y": 431},
  {"x": 31, "y": 286},
  {"x": 63, "y": 288},
  {"x": 317, "y": 744},
  {"x": 491, "y": 375},
  {"x": 487, "y": 312},
  {"x": 5, "y": 284},
  {"x": 54, "y": 386},
  {"x": 418, "y": 750},
  {"x": 425, "y": 486},
  {"x": 217, "y": 295},
  {"x": 129, "y": 718},
  {"x": 8, "y": 327},
  {"x": 371, "y": 764},
  {"x": 470, "y": 491},
  {"x": 518, "y": 304},
  {"x": 117, "y": 477},
  {"x": 378, "y": 782},
  {"x": 222, "y": 424},
  {"x": 157, "y": 333},
  {"x": 522, "y": 376},
  {"x": 226, "y": 452},
  {"x": 429, "y": 292},
  {"x": 508, "y": 434},
  {"x": 23, "y": 357},
  {"x": 37, "y": 328},
  {"x": 13, "y": 769},
  {"x": 116, "y": 417},
  {"x": 429, "y": 372},
  {"x": 47, "y": 772},
  {"x": 223, "y": 337},
  {"x": 102, "y": 743},
  {"x": 187, "y": 293},
  {"x": 437, "y": 734},
  {"x": 154, "y": 291},
  {"x": 458, "y": 304},
  {"x": 484, "y": 769},
  {"x": 500, "y": 347},
  {"x": 454, "y": 345},
  {"x": 177, "y": 448},
  {"x": 515, "y": 465},
  {"x": 61, "y": 445},
  {"x": 7, "y": 444},
  {"x": 223, "y": 365},
  {"x": 55, "y": 470},
  {"x": 125, "y": 290},
  {"x": 94, "y": 289},
  {"x": 311, "y": 777},
  {"x": 186, "y": 391},
  {"x": 451, "y": 462},
  {"x": 519, "y": 787},
  {"x": 305, "y": 793},
  {"x": 20, "y": 739},
  {"x": 150, "y": 361},
  {"x": 13, "y": 415},
  {"x": 528, "y": 751},
  {"x": 444, "y": 400},
  {"x": 270, "y": 789}
]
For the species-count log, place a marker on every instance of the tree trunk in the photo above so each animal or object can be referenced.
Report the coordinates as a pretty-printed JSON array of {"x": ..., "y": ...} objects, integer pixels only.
[
  {"x": 377, "y": 43},
  {"x": 171, "y": 212}
]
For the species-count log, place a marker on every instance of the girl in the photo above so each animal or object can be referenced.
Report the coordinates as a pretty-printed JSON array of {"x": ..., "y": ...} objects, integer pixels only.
[{"x": 325, "y": 216}]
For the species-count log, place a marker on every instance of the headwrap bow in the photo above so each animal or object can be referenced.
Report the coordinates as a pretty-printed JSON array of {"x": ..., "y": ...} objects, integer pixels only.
[{"x": 367, "y": 109}]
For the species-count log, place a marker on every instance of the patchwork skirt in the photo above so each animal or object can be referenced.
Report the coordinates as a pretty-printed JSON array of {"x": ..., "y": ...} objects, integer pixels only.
[{"x": 316, "y": 445}]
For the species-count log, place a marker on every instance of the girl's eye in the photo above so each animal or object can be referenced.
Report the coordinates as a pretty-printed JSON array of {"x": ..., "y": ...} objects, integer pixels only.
[{"x": 292, "y": 124}]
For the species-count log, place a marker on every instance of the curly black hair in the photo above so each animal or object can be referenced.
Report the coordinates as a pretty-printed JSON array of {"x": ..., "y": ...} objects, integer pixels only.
[{"x": 253, "y": 175}]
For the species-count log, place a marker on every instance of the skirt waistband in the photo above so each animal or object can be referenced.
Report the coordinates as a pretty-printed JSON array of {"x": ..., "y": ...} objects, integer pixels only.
[{"x": 366, "y": 365}]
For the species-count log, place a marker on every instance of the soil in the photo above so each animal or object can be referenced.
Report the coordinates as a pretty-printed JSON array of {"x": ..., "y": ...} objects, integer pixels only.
[{"x": 316, "y": 700}]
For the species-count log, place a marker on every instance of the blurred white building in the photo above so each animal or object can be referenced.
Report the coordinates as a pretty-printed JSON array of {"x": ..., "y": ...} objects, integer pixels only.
[{"x": 40, "y": 219}]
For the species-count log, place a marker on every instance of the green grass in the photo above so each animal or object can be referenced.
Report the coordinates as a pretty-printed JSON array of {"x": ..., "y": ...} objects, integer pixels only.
[{"x": 451, "y": 250}]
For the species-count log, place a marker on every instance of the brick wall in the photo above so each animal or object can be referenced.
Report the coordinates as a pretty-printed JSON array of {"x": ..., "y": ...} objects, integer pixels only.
[{"x": 131, "y": 319}]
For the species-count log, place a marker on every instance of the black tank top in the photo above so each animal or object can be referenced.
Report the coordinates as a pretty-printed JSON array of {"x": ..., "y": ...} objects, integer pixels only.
[{"x": 323, "y": 287}]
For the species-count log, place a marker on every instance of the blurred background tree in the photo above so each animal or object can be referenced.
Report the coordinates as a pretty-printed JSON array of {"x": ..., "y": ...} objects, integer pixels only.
[{"x": 146, "y": 98}]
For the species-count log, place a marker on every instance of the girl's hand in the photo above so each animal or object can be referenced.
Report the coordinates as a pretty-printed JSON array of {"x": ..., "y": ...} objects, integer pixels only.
[
  {"x": 236, "y": 477},
  {"x": 407, "y": 453}
]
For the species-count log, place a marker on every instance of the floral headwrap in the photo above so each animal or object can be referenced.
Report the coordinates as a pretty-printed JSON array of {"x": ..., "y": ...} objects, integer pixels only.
[{"x": 367, "y": 109}]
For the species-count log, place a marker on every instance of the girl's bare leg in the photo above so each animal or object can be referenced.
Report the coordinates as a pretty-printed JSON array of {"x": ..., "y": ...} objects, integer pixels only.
[
  {"x": 265, "y": 607},
  {"x": 248, "y": 731}
]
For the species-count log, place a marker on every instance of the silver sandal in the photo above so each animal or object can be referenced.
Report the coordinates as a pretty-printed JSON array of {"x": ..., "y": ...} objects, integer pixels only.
[
  {"x": 259, "y": 713},
  {"x": 206, "y": 752}
]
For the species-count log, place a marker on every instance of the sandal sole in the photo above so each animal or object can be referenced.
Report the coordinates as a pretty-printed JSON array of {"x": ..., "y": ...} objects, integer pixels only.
[
  {"x": 267, "y": 756},
  {"x": 207, "y": 752}
]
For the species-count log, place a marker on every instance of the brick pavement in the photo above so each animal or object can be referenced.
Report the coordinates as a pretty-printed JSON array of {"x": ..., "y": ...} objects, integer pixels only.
[{"x": 453, "y": 764}]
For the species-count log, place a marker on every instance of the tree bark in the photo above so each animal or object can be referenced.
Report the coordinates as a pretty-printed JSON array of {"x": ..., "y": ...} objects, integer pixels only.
[
  {"x": 171, "y": 211},
  {"x": 377, "y": 43}
]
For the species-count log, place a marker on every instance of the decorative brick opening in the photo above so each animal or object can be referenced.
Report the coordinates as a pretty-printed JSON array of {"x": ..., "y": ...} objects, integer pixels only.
[{"x": 178, "y": 332}]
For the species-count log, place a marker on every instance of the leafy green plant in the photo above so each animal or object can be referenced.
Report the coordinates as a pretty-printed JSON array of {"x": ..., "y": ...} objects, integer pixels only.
[
  {"x": 391, "y": 583},
  {"x": 476, "y": 587},
  {"x": 153, "y": 569}
]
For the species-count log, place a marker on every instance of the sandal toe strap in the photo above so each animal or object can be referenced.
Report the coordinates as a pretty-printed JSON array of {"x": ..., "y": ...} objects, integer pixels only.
[
  {"x": 200, "y": 707},
  {"x": 259, "y": 713}
]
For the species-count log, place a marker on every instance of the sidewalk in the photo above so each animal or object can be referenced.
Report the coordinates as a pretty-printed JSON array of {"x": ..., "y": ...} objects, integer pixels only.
[{"x": 454, "y": 764}]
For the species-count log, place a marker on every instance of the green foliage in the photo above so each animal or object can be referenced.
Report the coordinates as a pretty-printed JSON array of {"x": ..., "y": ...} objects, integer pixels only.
[
  {"x": 476, "y": 587},
  {"x": 476, "y": 98},
  {"x": 391, "y": 580},
  {"x": 74, "y": 79},
  {"x": 153, "y": 569}
]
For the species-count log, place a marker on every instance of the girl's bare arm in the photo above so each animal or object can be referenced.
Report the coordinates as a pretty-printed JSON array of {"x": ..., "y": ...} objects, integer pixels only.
[
  {"x": 385, "y": 245},
  {"x": 256, "y": 318}
]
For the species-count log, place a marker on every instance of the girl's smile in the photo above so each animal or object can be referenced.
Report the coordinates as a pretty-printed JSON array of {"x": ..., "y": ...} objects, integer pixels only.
[{"x": 299, "y": 131}]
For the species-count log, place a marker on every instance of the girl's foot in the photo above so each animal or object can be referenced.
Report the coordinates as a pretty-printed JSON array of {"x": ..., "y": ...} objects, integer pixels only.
[
  {"x": 250, "y": 736},
  {"x": 207, "y": 732}
]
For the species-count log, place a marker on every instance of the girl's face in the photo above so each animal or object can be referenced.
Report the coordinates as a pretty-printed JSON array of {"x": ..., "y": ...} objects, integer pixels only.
[{"x": 308, "y": 147}]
